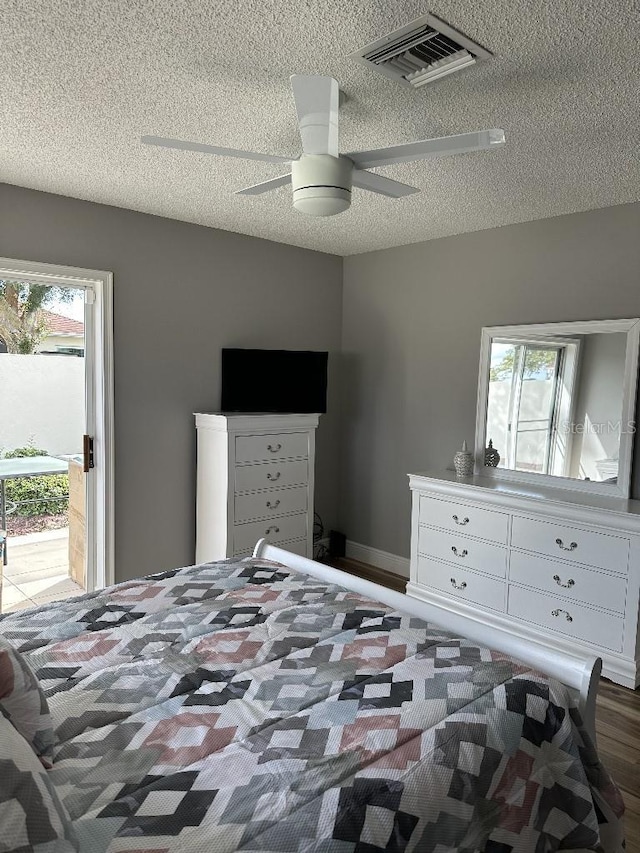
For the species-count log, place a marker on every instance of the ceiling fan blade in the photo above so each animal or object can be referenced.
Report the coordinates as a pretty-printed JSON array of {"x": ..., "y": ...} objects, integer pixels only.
[
  {"x": 181, "y": 145},
  {"x": 443, "y": 146},
  {"x": 265, "y": 186},
  {"x": 317, "y": 101},
  {"x": 381, "y": 185}
]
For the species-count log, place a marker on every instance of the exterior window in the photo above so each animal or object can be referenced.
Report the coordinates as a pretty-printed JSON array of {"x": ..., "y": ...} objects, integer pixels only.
[{"x": 530, "y": 398}]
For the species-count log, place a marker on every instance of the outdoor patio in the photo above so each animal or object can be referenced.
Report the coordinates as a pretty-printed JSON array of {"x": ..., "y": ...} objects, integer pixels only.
[{"x": 37, "y": 570}]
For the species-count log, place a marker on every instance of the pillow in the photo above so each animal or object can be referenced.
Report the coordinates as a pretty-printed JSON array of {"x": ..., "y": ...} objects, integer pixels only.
[
  {"x": 24, "y": 704},
  {"x": 32, "y": 818}
]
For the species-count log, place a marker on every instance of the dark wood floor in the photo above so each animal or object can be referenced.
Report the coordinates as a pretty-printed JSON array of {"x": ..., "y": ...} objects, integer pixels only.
[
  {"x": 618, "y": 730},
  {"x": 370, "y": 573},
  {"x": 617, "y": 720}
]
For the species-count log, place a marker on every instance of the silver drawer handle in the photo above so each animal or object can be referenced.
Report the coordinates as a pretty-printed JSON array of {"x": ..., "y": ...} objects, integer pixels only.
[
  {"x": 272, "y": 529},
  {"x": 275, "y": 476},
  {"x": 563, "y": 547},
  {"x": 273, "y": 504},
  {"x": 274, "y": 448},
  {"x": 462, "y": 553},
  {"x": 566, "y": 585},
  {"x": 464, "y": 521},
  {"x": 458, "y": 585},
  {"x": 567, "y": 615}
]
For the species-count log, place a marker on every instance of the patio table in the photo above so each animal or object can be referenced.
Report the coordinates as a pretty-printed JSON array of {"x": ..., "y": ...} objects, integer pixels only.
[{"x": 25, "y": 466}]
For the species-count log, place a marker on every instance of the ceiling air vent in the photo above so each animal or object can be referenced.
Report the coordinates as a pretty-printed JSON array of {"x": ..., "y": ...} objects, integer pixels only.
[{"x": 425, "y": 50}]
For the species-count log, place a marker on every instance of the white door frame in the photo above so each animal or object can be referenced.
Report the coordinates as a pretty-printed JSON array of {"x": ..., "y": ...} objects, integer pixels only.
[{"x": 99, "y": 402}]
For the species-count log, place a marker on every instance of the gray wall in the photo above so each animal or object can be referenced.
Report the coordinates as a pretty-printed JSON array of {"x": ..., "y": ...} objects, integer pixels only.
[
  {"x": 181, "y": 292},
  {"x": 411, "y": 319},
  {"x": 411, "y": 339}
]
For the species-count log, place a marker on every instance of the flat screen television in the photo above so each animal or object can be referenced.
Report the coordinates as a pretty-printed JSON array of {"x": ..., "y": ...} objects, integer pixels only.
[{"x": 267, "y": 380}]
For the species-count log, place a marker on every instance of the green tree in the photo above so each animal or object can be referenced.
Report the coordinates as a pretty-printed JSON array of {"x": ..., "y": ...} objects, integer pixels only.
[
  {"x": 22, "y": 323},
  {"x": 537, "y": 361}
]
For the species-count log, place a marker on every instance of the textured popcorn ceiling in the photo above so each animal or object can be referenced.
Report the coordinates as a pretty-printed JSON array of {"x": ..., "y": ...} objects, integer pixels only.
[{"x": 80, "y": 82}]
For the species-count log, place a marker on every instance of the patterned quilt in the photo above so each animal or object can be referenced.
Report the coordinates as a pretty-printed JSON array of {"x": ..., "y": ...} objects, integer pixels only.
[{"x": 244, "y": 706}]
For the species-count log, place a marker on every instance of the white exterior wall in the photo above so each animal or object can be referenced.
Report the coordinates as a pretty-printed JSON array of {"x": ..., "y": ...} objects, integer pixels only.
[
  {"x": 51, "y": 342},
  {"x": 42, "y": 402}
]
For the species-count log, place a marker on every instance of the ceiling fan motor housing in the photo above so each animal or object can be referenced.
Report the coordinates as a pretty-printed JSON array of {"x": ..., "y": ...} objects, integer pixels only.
[{"x": 321, "y": 184}]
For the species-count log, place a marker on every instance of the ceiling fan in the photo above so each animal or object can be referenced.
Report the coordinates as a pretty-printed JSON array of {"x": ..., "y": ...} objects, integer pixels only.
[{"x": 322, "y": 178}]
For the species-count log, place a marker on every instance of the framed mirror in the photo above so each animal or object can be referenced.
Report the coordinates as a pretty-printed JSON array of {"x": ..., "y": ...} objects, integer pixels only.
[{"x": 556, "y": 404}]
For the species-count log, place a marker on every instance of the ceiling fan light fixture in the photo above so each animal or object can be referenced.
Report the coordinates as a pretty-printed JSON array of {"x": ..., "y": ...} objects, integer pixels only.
[
  {"x": 321, "y": 201},
  {"x": 321, "y": 178},
  {"x": 321, "y": 184}
]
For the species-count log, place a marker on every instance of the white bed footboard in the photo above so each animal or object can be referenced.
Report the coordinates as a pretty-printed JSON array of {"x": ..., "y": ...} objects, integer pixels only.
[{"x": 579, "y": 674}]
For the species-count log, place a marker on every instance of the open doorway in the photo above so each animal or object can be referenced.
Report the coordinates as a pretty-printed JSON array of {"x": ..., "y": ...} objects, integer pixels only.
[{"x": 56, "y": 409}]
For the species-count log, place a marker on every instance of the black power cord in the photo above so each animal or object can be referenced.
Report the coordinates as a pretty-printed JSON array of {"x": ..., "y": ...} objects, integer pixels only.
[{"x": 320, "y": 551}]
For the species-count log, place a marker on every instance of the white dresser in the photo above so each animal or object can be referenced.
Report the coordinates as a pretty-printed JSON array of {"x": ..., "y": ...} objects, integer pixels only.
[
  {"x": 255, "y": 480},
  {"x": 561, "y": 567}
]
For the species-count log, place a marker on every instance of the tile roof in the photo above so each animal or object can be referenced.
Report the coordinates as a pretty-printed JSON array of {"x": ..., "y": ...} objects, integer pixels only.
[{"x": 59, "y": 325}]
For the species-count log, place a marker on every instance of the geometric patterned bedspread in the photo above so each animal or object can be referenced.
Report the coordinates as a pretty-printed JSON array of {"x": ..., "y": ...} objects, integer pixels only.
[{"x": 244, "y": 706}]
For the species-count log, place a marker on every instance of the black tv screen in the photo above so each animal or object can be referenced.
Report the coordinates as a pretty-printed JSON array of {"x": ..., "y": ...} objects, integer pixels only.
[{"x": 266, "y": 380}]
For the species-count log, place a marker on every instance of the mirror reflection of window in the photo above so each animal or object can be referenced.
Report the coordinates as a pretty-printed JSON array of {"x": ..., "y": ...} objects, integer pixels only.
[
  {"x": 531, "y": 399},
  {"x": 557, "y": 401}
]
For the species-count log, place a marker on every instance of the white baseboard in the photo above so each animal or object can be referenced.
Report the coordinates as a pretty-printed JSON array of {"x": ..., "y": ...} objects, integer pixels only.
[{"x": 377, "y": 558}]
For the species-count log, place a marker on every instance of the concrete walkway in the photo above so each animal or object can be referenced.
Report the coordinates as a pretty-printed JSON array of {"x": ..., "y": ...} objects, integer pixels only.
[{"x": 37, "y": 570}]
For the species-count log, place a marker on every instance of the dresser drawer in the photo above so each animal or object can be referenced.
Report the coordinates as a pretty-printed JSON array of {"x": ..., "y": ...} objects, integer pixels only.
[
  {"x": 461, "y": 583},
  {"x": 463, "y": 550},
  {"x": 270, "y": 504},
  {"x": 269, "y": 475},
  {"x": 484, "y": 523},
  {"x": 257, "y": 448},
  {"x": 569, "y": 581},
  {"x": 566, "y": 617},
  {"x": 571, "y": 543},
  {"x": 278, "y": 530}
]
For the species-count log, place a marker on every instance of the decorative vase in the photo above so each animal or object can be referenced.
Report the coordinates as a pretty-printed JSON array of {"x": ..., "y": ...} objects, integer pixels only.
[
  {"x": 491, "y": 456},
  {"x": 463, "y": 461}
]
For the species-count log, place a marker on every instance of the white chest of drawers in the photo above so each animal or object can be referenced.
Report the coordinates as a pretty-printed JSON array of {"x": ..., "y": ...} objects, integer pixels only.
[
  {"x": 255, "y": 480},
  {"x": 556, "y": 566}
]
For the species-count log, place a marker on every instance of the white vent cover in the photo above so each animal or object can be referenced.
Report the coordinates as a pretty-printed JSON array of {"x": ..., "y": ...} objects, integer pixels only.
[{"x": 425, "y": 50}]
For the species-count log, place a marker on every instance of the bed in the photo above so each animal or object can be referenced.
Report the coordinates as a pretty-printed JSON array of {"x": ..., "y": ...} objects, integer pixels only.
[{"x": 277, "y": 704}]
